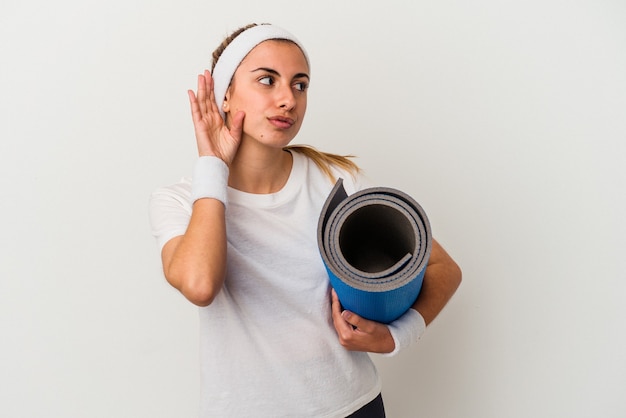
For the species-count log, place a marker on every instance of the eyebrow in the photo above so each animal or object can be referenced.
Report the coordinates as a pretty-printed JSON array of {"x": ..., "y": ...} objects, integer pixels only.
[{"x": 274, "y": 72}]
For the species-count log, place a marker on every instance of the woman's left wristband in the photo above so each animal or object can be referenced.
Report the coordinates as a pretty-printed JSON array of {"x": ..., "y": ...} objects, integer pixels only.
[{"x": 406, "y": 331}]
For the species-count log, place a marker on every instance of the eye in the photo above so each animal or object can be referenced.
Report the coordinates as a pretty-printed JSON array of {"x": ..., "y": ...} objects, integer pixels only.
[
  {"x": 301, "y": 85},
  {"x": 267, "y": 80}
]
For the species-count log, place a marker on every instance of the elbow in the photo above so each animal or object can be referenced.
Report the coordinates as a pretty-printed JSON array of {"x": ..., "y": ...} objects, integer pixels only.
[
  {"x": 456, "y": 276},
  {"x": 201, "y": 295},
  {"x": 199, "y": 289}
]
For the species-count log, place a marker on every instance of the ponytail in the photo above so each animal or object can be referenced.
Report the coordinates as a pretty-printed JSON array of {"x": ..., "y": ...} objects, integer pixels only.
[{"x": 326, "y": 160}]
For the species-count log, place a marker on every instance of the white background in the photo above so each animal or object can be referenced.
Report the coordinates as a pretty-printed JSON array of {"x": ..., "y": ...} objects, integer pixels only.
[{"x": 506, "y": 120}]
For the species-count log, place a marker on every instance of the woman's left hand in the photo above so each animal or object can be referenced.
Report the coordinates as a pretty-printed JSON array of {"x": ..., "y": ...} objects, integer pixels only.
[{"x": 360, "y": 334}]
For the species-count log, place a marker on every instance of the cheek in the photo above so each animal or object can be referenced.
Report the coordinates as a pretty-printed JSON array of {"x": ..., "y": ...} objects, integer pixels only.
[
  {"x": 302, "y": 109},
  {"x": 252, "y": 104}
]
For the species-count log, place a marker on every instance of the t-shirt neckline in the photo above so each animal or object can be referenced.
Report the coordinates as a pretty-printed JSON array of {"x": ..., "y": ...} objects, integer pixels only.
[{"x": 291, "y": 187}]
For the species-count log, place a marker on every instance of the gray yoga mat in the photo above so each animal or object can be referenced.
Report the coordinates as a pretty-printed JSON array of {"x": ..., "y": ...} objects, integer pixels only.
[{"x": 375, "y": 245}]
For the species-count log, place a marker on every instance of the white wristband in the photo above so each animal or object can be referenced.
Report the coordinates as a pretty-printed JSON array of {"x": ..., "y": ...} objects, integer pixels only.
[
  {"x": 406, "y": 331},
  {"x": 210, "y": 179}
]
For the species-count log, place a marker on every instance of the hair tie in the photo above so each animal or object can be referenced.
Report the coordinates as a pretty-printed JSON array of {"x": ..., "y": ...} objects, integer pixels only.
[{"x": 237, "y": 50}]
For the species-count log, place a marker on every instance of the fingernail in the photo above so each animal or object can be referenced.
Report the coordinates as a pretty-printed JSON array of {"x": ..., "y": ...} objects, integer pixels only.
[{"x": 346, "y": 315}]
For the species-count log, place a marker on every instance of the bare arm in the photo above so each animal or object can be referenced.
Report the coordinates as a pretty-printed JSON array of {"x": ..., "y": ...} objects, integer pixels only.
[
  {"x": 195, "y": 263},
  {"x": 442, "y": 278}
]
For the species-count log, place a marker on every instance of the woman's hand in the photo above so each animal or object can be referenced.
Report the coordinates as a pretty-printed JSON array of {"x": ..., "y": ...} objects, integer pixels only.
[
  {"x": 360, "y": 334},
  {"x": 213, "y": 137}
]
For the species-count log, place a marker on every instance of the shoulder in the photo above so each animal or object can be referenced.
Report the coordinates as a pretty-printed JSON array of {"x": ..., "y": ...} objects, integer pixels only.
[
  {"x": 322, "y": 167},
  {"x": 177, "y": 193},
  {"x": 170, "y": 210},
  {"x": 353, "y": 181}
]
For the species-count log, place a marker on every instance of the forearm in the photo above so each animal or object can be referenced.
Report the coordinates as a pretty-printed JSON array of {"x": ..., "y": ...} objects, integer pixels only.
[
  {"x": 442, "y": 278},
  {"x": 195, "y": 263}
]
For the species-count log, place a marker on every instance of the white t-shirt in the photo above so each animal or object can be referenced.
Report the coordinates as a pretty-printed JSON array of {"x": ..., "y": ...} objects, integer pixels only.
[{"x": 268, "y": 345}]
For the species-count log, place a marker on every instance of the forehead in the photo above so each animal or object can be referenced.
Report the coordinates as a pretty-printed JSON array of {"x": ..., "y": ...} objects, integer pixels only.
[{"x": 276, "y": 53}]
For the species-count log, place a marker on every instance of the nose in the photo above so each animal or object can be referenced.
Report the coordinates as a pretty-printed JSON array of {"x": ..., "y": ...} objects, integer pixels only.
[{"x": 286, "y": 100}]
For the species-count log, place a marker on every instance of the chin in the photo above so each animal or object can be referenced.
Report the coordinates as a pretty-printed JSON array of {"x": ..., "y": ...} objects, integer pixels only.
[{"x": 274, "y": 139}]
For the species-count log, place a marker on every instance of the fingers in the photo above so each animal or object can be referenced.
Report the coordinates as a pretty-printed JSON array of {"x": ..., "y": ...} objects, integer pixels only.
[
  {"x": 336, "y": 310},
  {"x": 357, "y": 333},
  {"x": 205, "y": 96},
  {"x": 350, "y": 319},
  {"x": 196, "y": 101},
  {"x": 357, "y": 322},
  {"x": 211, "y": 96},
  {"x": 196, "y": 114},
  {"x": 342, "y": 326},
  {"x": 236, "y": 128},
  {"x": 201, "y": 95}
]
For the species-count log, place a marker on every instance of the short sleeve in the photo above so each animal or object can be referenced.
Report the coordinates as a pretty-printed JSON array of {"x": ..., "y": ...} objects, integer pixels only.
[
  {"x": 353, "y": 182},
  {"x": 170, "y": 211}
]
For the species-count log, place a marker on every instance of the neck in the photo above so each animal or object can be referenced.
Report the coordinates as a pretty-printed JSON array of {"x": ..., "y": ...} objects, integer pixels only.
[{"x": 259, "y": 170}]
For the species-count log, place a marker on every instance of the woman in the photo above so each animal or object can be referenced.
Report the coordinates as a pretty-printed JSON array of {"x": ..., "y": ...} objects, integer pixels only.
[{"x": 239, "y": 240}]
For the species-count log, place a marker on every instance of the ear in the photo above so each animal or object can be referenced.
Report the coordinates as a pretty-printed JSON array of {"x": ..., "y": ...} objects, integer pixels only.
[{"x": 226, "y": 103}]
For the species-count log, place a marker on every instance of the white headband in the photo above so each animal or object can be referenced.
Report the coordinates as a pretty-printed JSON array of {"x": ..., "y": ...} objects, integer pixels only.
[{"x": 237, "y": 50}]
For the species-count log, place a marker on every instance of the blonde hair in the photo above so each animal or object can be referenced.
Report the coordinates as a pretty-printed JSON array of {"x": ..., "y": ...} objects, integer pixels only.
[
  {"x": 325, "y": 161},
  {"x": 217, "y": 53}
]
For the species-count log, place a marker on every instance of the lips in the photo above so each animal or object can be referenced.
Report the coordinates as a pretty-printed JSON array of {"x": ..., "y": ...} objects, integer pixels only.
[{"x": 281, "y": 122}]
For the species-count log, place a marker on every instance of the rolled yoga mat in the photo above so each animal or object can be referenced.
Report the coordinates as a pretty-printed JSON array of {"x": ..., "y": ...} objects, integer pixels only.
[{"x": 375, "y": 245}]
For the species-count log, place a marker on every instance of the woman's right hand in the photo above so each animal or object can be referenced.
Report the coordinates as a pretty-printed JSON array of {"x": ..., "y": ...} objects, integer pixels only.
[{"x": 213, "y": 137}]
